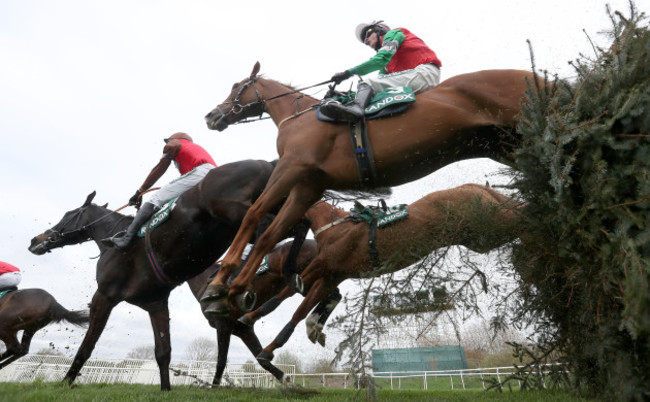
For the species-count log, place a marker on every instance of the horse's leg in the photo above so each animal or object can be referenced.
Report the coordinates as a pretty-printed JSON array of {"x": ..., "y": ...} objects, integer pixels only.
[
  {"x": 159, "y": 316},
  {"x": 100, "y": 310},
  {"x": 224, "y": 331},
  {"x": 318, "y": 291},
  {"x": 285, "y": 175},
  {"x": 250, "y": 339},
  {"x": 317, "y": 319},
  {"x": 13, "y": 348},
  {"x": 302, "y": 196},
  {"x": 266, "y": 308}
]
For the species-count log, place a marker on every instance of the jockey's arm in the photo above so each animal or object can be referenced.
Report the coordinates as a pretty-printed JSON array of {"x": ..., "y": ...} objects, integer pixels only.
[
  {"x": 391, "y": 42},
  {"x": 169, "y": 153}
]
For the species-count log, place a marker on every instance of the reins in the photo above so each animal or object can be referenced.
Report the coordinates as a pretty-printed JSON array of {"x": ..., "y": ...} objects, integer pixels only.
[
  {"x": 85, "y": 227},
  {"x": 259, "y": 100}
]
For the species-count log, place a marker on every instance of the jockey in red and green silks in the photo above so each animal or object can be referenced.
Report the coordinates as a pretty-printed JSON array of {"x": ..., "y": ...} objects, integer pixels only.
[{"x": 402, "y": 59}]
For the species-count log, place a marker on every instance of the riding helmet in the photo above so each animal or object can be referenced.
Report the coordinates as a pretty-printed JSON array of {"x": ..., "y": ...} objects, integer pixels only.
[
  {"x": 179, "y": 136},
  {"x": 376, "y": 26}
]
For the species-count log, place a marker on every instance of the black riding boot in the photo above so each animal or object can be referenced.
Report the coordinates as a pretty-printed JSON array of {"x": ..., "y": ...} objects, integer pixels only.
[
  {"x": 355, "y": 111},
  {"x": 124, "y": 239}
]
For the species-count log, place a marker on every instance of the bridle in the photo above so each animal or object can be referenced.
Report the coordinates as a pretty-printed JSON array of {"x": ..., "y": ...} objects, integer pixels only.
[
  {"x": 237, "y": 107},
  {"x": 56, "y": 235}
]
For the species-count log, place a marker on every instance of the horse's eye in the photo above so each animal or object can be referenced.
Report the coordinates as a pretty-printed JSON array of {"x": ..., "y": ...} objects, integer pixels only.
[{"x": 235, "y": 85}]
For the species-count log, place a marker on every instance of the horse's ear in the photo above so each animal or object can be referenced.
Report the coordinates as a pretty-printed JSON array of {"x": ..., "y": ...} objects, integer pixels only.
[
  {"x": 256, "y": 69},
  {"x": 105, "y": 205},
  {"x": 89, "y": 199}
]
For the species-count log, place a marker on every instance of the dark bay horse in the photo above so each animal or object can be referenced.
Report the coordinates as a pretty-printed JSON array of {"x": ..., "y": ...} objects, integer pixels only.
[
  {"x": 199, "y": 230},
  {"x": 30, "y": 310},
  {"x": 470, "y": 215},
  {"x": 266, "y": 286},
  {"x": 468, "y": 116}
]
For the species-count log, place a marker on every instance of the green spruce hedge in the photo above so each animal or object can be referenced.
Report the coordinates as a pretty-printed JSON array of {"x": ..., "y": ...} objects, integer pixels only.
[{"x": 584, "y": 259}]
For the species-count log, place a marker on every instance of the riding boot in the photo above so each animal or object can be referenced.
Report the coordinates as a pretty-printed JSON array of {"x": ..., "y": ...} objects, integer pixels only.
[
  {"x": 124, "y": 239},
  {"x": 355, "y": 111}
]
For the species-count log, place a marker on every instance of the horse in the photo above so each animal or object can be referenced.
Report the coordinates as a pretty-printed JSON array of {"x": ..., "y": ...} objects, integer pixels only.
[
  {"x": 266, "y": 285},
  {"x": 457, "y": 216},
  {"x": 467, "y": 116},
  {"x": 30, "y": 310},
  {"x": 199, "y": 229}
]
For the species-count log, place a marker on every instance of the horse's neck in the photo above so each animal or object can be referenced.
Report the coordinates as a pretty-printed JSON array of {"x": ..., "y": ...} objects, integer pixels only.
[
  {"x": 322, "y": 214},
  {"x": 283, "y": 107},
  {"x": 104, "y": 223}
]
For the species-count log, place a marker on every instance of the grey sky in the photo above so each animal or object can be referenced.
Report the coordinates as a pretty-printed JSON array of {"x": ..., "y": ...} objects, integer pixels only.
[{"x": 90, "y": 88}]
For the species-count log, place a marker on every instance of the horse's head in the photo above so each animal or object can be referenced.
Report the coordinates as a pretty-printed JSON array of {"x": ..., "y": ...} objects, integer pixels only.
[
  {"x": 244, "y": 101},
  {"x": 70, "y": 230}
]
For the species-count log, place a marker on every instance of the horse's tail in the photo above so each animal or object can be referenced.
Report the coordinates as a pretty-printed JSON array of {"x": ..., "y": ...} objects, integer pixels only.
[{"x": 76, "y": 317}]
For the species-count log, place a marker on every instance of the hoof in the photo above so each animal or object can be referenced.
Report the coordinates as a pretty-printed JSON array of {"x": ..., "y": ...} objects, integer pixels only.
[
  {"x": 245, "y": 320},
  {"x": 214, "y": 293},
  {"x": 264, "y": 356},
  {"x": 217, "y": 309},
  {"x": 246, "y": 301},
  {"x": 296, "y": 283}
]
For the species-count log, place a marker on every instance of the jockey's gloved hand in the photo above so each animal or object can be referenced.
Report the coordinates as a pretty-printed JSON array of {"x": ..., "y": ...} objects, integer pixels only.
[
  {"x": 342, "y": 76},
  {"x": 136, "y": 199}
]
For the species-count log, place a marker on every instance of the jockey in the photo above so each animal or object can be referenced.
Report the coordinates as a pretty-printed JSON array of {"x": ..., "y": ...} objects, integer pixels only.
[
  {"x": 192, "y": 161},
  {"x": 402, "y": 59},
  {"x": 10, "y": 276}
]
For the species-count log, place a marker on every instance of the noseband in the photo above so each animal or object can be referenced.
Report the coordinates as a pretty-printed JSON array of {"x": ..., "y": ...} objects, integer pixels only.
[{"x": 237, "y": 107}]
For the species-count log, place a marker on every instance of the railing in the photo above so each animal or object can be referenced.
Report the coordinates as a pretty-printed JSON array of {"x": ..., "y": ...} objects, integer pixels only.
[
  {"x": 133, "y": 371},
  {"x": 438, "y": 380}
]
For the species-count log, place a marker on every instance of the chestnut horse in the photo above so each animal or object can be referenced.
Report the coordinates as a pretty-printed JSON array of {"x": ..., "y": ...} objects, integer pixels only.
[
  {"x": 30, "y": 310},
  {"x": 198, "y": 231},
  {"x": 470, "y": 215},
  {"x": 266, "y": 285},
  {"x": 468, "y": 116}
]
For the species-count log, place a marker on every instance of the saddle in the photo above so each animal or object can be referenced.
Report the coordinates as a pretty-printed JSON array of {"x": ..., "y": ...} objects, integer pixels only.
[
  {"x": 376, "y": 217},
  {"x": 389, "y": 102},
  {"x": 5, "y": 291}
]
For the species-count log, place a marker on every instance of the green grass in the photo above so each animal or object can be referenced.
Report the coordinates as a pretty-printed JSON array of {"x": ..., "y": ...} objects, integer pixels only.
[{"x": 39, "y": 391}]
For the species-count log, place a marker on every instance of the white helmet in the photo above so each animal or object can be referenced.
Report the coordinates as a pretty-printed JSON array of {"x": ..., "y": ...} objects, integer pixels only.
[{"x": 377, "y": 26}]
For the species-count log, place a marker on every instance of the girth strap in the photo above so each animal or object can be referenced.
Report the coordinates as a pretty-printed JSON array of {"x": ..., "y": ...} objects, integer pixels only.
[
  {"x": 363, "y": 154},
  {"x": 151, "y": 255}
]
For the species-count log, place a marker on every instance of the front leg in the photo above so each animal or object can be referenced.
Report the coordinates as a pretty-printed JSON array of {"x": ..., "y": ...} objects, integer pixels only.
[
  {"x": 100, "y": 310},
  {"x": 159, "y": 315},
  {"x": 302, "y": 196},
  {"x": 217, "y": 289},
  {"x": 318, "y": 291}
]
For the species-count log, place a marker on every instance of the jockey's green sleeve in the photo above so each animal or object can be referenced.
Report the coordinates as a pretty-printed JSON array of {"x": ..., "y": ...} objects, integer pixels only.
[{"x": 389, "y": 45}]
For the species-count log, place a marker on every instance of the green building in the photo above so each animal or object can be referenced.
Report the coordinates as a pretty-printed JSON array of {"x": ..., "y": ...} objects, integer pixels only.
[{"x": 419, "y": 359}]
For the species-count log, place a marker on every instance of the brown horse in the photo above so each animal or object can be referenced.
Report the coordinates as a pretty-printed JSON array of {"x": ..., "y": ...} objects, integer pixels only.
[
  {"x": 468, "y": 116},
  {"x": 199, "y": 229},
  {"x": 460, "y": 216},
  {"x": 266, "y": 285},
  {"x": 30, "y": 310}
]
